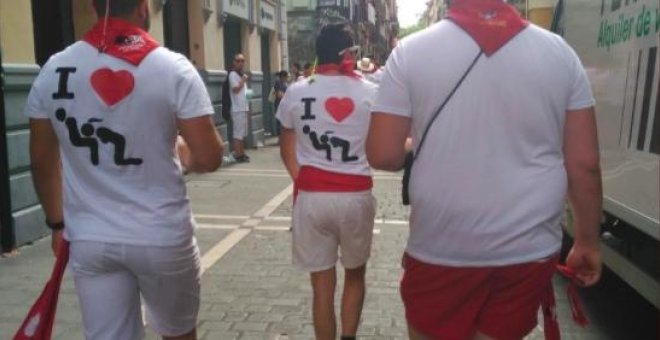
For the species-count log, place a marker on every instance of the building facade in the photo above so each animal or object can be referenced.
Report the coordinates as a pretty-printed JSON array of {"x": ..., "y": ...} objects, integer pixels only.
[
  {"x": 539, "y": 12},
  {"x": 208, "y": 32},
  {"x": 374, "y": 22}
]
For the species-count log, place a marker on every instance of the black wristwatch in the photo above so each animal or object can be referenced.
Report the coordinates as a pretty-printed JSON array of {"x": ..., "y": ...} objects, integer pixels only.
[{"x": 55, "y": 226}]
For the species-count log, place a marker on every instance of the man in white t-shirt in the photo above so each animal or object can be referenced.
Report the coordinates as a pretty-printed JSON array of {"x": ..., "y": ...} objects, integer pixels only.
[
  {"x": 104, "y": 118},
  {"x": 324, "y": 126},
  {"x": 239, "y": 107},
  {"x": 488, "y": 185}
]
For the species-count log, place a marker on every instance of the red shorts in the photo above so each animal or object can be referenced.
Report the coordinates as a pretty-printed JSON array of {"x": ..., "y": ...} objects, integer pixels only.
[{"x": 456, "y": 302}]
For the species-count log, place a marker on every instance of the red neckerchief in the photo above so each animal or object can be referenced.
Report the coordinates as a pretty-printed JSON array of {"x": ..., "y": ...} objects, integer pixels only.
[
  {"x": 121, "y": 39},
  {"x": 491, "y": 23},
  {"x": 345, "y": 68}
]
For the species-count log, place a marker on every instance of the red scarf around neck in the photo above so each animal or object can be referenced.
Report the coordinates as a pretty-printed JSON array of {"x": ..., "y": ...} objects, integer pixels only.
[
  {"x": 121, "y": 39},
  {"x": 491, "y": 23},
  {"x": 345, "y": 68}
]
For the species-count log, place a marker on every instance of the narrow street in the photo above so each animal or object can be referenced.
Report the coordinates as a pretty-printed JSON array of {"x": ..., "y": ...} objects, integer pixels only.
[{"x": 250, "y": 290}]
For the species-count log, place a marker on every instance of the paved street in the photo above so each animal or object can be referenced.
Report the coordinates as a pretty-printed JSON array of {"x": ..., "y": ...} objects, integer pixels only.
[{"x": 250, "y": 289}]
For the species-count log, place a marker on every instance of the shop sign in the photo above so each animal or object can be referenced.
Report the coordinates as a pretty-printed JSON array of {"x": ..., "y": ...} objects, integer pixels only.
[
  {"x": 267, "y": 15},
  {"x": 237, "y": 8}
]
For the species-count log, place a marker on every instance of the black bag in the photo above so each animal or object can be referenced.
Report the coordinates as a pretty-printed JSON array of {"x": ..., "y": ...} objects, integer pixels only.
[
  {"x": 411, "y": 156},
  {"x": 226, "y": 99}
]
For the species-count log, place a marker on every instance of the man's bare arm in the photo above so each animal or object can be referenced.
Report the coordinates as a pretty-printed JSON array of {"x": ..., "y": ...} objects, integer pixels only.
[
  {"x": 47, "y": 173},
  {"x": 240, "y": 85},
  {"x": 288, "y": 151},
  {"x": 386, "y": 141},
  {"x": 585, "y": 192},
  {"x": 202, "y": 148}
]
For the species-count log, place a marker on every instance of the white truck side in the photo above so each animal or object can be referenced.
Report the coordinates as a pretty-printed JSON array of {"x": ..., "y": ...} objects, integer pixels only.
[{"x": 617, "y": 41}]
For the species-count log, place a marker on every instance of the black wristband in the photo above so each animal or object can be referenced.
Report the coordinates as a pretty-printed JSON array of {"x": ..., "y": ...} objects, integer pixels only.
[{"x": 55, "y": 226}]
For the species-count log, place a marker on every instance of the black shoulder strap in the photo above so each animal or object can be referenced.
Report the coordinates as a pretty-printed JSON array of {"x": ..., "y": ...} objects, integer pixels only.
[{"x": 437, "y": 113}]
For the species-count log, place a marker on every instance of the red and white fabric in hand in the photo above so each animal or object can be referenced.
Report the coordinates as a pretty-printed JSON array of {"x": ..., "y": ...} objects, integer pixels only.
[
  {"x": 550, "y": 324},
  {"x": 38, "y": 325}
]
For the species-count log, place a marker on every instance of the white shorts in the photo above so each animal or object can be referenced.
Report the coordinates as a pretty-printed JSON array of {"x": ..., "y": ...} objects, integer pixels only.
[
  {"x": 110, "y": 278},
  {"x": 324, "y": 222},
  {"x": 239, "y": 124}
]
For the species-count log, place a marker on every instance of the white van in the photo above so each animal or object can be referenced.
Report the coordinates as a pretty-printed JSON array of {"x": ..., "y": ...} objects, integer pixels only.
[{"x": 617, "y": 41}]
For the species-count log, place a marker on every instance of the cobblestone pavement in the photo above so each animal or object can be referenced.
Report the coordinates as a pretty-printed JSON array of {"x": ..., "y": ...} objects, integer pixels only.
[{"x": 250, "y": 290}]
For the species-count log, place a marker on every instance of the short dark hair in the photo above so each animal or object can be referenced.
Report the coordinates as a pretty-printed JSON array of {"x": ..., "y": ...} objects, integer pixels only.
[
  {"x": 296, "y": 65},
  {"x": 117, "y": 7},
  {"x": 333, "y": 39},
  {"x": 283, "y": 73},
  {"x": 307, "y": 66}
]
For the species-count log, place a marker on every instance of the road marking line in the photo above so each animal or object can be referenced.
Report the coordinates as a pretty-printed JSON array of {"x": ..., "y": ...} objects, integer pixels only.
[
  {"x": 278, "y": 218},
  {"x": 402, "y": 222},
  {"x": 222, "y": 217},
  {"x": 271, "y": 228},
  {"x": 376, "y": 221},
  {"x": 251, "y": 223},
  {"x": 282, "y": 228},
  {"x": 217, "y": 226},
  {"x": 221, "y": 248},
  {"x": 274, "y": 203}
]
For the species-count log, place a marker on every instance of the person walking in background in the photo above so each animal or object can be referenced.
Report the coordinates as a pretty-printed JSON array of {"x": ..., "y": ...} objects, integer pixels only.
[
  {"x": 104, "y": 116},
  {"x": 239, "y": 107},
  {"x": 511, "y": 132},
  {"x": 324, "y": 128},
  {"x": 295, "y": 73},
  {"x": 279, "y": 89}
]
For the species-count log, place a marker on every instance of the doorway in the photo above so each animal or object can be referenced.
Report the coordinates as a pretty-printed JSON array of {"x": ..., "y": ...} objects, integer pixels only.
[
  {"x": 7, "y": 238},
  {"x": 268, "y": 115},
  {"x": 53, "y": 27},
  {"x": 175, "y": 27},
  {"x": 232, "y": 41}
]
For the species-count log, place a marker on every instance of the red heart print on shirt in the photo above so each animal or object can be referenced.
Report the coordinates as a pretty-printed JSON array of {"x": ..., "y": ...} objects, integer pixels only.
[
  {"x": 112, "y": 86},
  {"x": 339, "y": 108}
]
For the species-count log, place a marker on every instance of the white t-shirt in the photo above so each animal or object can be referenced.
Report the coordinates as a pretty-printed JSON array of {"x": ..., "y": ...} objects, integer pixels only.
[
  {"x": 489, "y": 185},
  {"x": 239, "y": 102},
  {"x": 330, "y": 116},
  {"x": 122, "y": 178}
]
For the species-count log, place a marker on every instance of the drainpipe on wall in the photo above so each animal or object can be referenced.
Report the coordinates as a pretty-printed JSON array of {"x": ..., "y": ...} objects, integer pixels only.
[{"x": 7, "y": 237}]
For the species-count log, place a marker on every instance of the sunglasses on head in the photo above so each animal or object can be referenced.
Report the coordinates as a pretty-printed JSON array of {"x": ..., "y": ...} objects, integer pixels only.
[{"x": 354, "y": 49}]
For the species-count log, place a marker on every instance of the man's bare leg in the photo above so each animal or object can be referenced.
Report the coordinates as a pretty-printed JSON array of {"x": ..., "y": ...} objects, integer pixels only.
[
  {"x": 192, "y": 335},
  {"x": 352, "y": 300},
  {"x": 323, "y": 305},
  {"x": 239, "y": 147}
]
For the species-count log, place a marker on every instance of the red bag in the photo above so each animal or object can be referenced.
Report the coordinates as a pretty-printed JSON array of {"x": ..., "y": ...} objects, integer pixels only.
[{"x": 38, "y": 324}]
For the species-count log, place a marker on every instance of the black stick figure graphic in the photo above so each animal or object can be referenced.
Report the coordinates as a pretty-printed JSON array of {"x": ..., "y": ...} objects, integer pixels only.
[
  {"x": 75, "y": 137},
  {"x": 108, "y": 136},
  {"x": 345, "y": 149},
  {"x": 319, "y": 143}
]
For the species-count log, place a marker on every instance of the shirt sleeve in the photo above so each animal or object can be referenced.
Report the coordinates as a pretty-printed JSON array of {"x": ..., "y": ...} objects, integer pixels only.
[
  {"x": 192, "y": 98},
  {"x": 393, "y": 95},
  {"x": 580, "y": 95},
  {"x": 286, "y": 110},
  {"x": 34, "y": 107},
  {"x": 234, "y": 79},
  {"x": 280, "y": 86}
]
